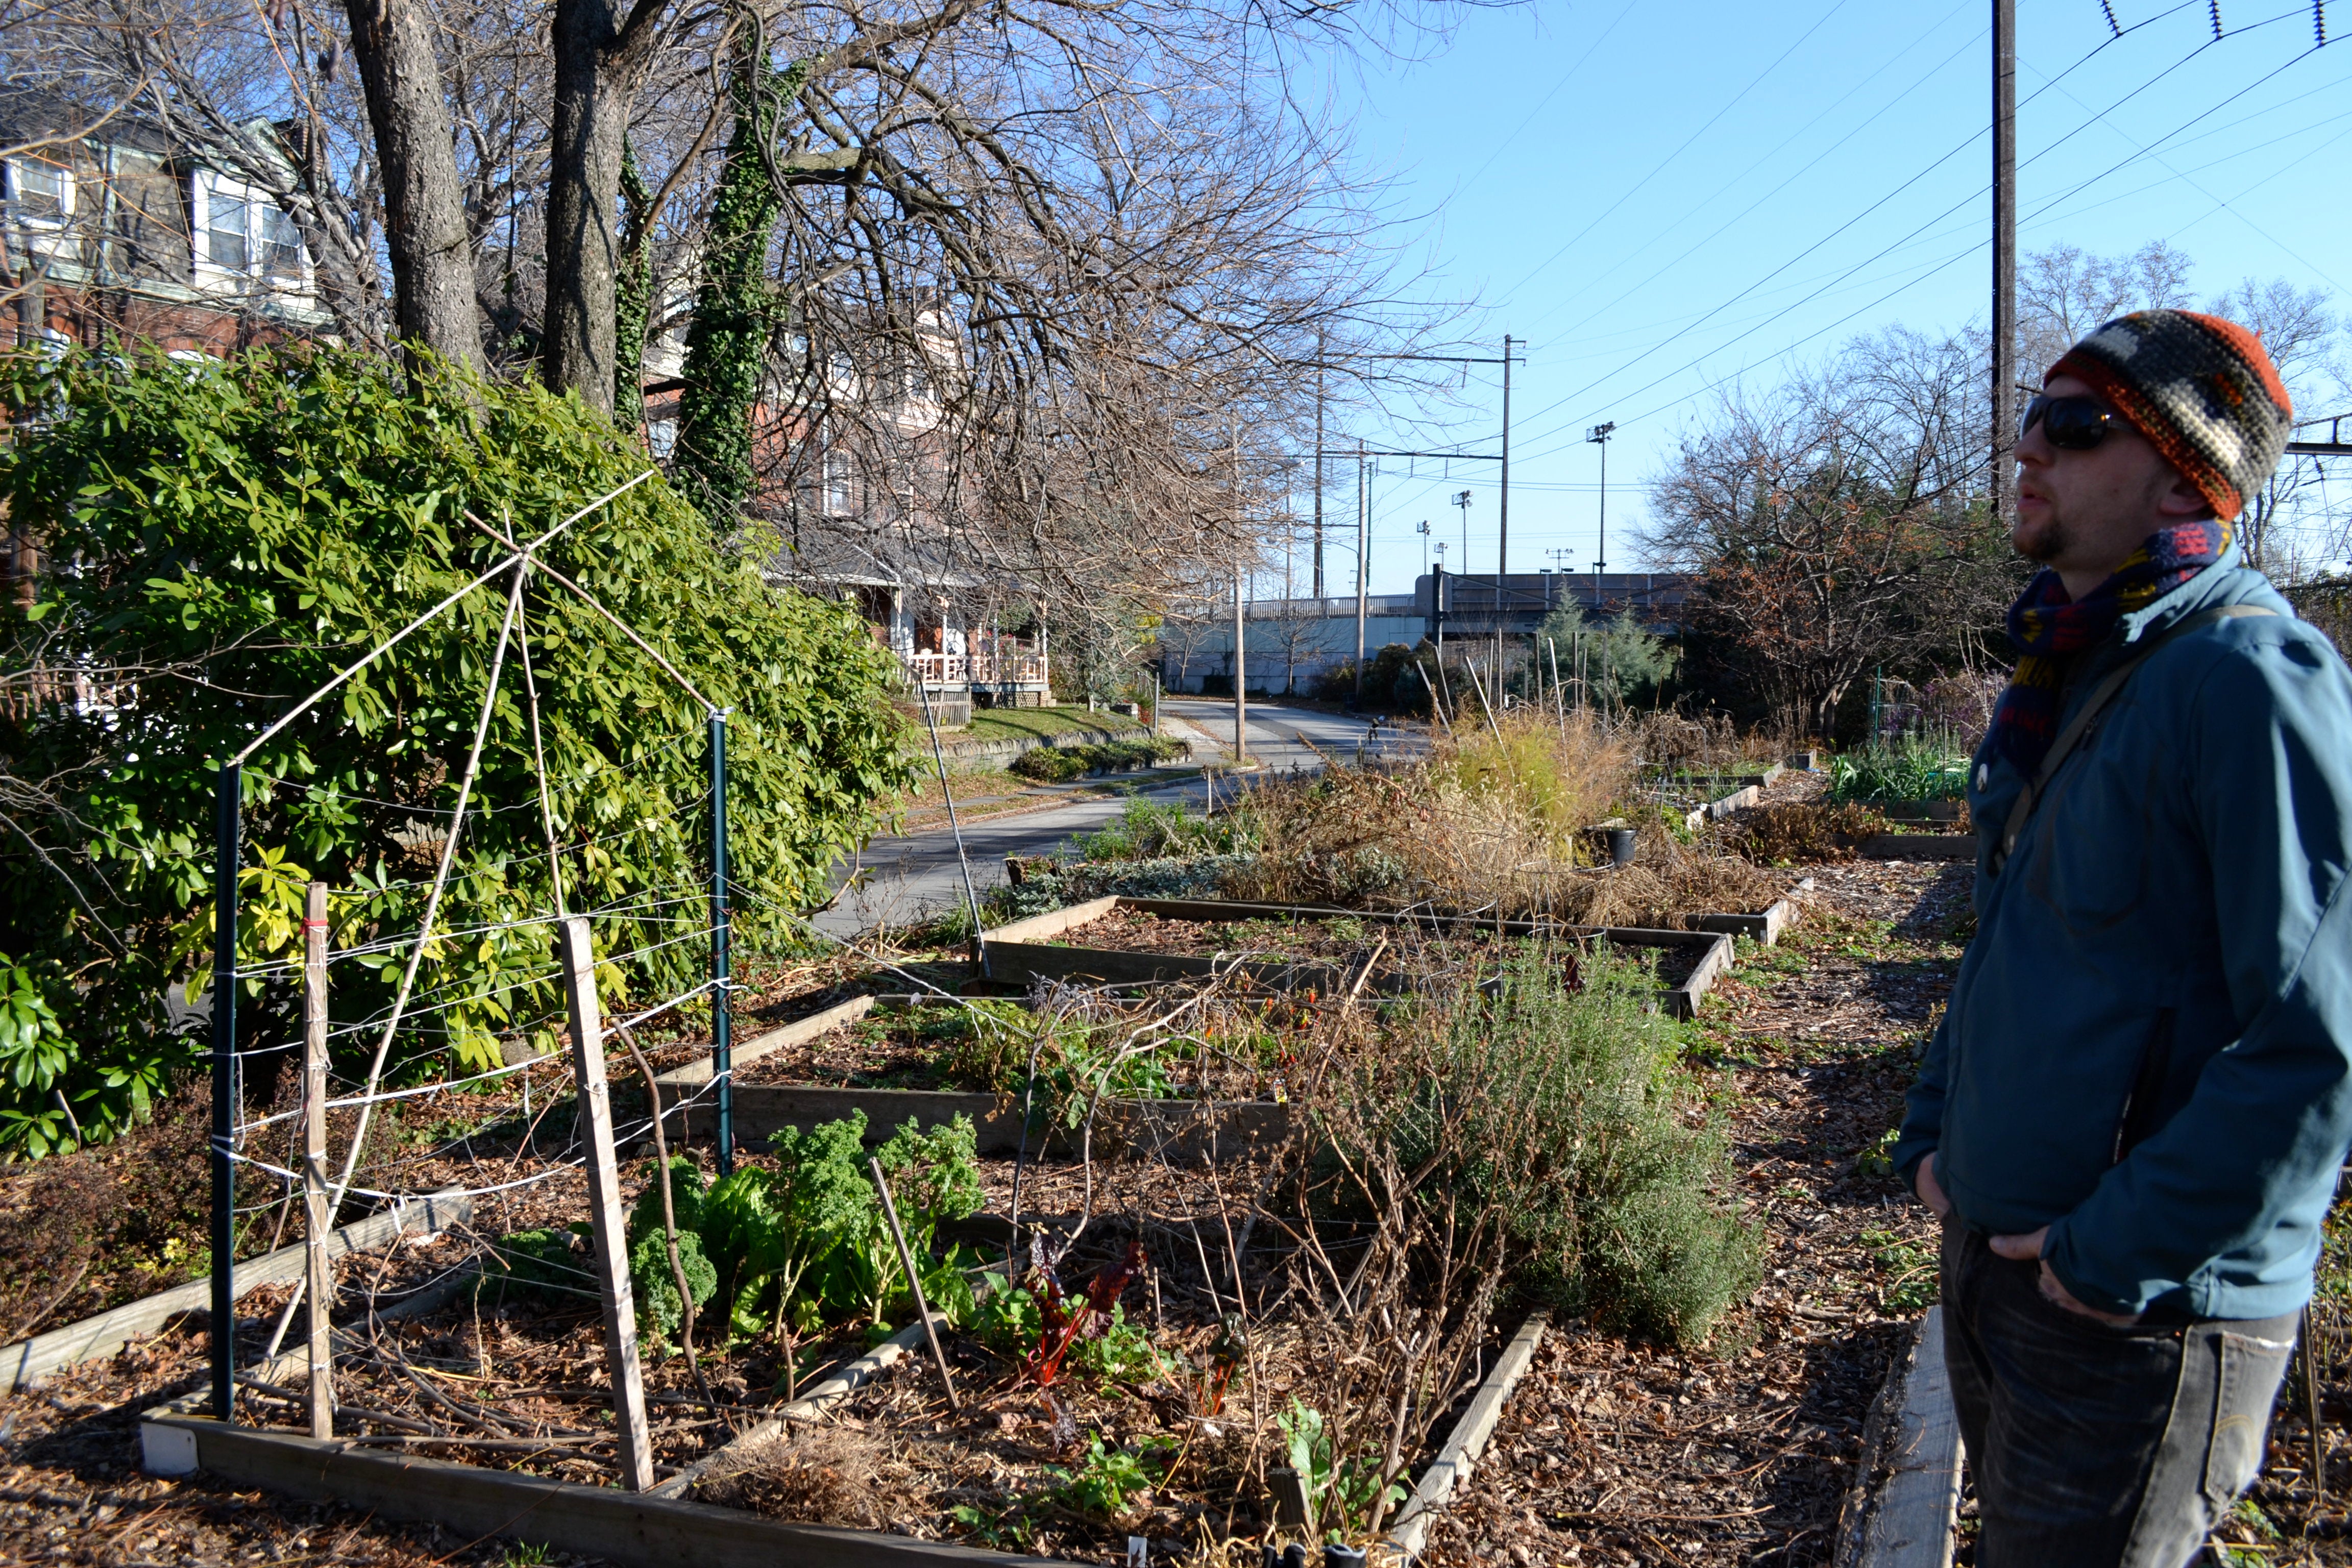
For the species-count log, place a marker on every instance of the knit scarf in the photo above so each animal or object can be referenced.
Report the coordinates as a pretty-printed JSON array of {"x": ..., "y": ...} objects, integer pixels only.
[{"x": 2050, "y": 629}]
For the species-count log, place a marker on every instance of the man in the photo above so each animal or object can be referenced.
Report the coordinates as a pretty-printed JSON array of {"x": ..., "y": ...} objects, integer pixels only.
[{"x": 2133, "y": 1115}]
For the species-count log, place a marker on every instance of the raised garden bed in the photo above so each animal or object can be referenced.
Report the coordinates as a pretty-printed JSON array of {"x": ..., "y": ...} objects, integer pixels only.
[
  {"x": 888, "y": 1067},
  {"x": 982, "y": 1472},
  {"x": 1200, "y": 938}
]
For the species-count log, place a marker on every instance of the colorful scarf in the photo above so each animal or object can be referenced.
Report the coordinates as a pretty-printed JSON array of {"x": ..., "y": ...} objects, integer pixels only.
[{"x": 2050, "y": 629}]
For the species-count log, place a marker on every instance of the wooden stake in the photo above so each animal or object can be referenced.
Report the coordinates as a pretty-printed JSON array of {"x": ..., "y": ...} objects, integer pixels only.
[
  {"x": 318, "y": 1276},
  {"x": 914, "y": 1281},
  {"x": 604, "y": 1204}
]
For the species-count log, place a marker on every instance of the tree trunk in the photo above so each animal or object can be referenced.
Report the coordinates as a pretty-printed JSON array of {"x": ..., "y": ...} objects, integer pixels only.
[
  {"x": 595, "y": 81},
  {"x": 424, "y": 221}
]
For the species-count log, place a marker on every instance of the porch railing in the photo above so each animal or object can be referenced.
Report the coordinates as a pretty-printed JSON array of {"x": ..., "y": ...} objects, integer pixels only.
[{"x": 977, "y": 668}]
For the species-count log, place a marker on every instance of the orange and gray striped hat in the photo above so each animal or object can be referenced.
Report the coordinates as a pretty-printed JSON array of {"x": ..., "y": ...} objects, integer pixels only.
[{"x": 2203, "y": 390}]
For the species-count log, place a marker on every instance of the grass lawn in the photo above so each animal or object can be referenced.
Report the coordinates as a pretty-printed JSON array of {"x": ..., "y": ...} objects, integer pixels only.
[{"x": 1021, "y": 724}]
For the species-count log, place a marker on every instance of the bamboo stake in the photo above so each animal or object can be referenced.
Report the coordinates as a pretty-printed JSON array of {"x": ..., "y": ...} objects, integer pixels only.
[
  {"x": 1433, "y": 702},
  {"x": 914, "y": 1281},
  {"x": 317, "y": 1276},
  {"x": 605, "y": 1205}
]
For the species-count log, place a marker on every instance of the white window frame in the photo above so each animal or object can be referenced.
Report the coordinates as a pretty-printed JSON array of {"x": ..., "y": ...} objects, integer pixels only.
[
  {"x": 209, "y": 185},
  {"x": 67, "y": 184}
]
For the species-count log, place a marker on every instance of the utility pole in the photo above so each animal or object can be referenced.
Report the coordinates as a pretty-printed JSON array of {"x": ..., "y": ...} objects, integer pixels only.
[
  {"x": 2004, "y": 262},
  {"x": 1241, "y": 627},
  {"x": 1503, "y": 519},
  {"x": 1599, "y": 436},
  {"x": 1319, "y": 468},
  {"x": 1424, "y": 531},
  {"x": 1437, "y": 602},
  {"x": 1363, "y": 569}
]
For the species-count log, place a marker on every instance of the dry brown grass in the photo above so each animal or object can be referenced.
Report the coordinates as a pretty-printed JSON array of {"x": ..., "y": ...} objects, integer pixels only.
[
  {"x": 1495, "y": 818},
  {"x": 823, "y": 1475},
  {"x": 1807, "y": 832}
]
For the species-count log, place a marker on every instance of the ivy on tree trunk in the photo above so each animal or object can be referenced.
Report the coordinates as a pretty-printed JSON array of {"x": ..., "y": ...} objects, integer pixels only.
[
  {"x": 735, "y": 305},
  {"x": 632, "y": 296}
]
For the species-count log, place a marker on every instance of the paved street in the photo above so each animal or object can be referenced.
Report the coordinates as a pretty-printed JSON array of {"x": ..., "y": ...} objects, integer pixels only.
[{"x": 905, "y": 877}]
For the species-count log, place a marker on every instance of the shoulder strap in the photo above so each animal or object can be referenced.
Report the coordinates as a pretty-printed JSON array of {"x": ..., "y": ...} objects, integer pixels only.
[{"x": 2087, "y": 714}]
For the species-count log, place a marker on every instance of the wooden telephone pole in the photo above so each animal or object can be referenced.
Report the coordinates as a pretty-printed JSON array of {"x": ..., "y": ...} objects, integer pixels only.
[{"x": 2004, "y": 262}]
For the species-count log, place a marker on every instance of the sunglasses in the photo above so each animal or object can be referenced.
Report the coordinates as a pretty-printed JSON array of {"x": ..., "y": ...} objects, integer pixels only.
[{"x": 2072, "y": 424}]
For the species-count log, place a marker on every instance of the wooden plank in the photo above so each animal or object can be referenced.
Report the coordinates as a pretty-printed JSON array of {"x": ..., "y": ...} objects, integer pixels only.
[
  {"x": 1182, "y": 1129},
  {"x": 1683, "y": 1000},
  {"x": 318, "y": 1220},
  {"x": 1467, "y": 1441},
  {"x": 1052, "y": 922},
  {"x": 1024, "y": 963},
  {"x": 1920, "y": 847},
  {"x": 604, "y": 1204},
  {"x": 698, "y": 1072},
  {"x": 1911, "y": 1527},
  {"x": 1764, "y": 927},
  {"x": 632, "y": 1529},
  {"x": 27, "y": 1361}
]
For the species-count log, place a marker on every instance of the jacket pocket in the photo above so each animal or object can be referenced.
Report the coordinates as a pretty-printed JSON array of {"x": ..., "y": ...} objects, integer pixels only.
[{"x": 2138, "y": 1119}]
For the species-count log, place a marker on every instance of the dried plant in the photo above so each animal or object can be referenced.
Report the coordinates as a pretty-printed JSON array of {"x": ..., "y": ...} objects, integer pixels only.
[{"x": 1495, "y": 818}]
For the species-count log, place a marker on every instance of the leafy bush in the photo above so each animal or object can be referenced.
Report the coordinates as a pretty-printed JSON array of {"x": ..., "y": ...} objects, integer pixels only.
[
  {"x": 1389, "y": 681},
  {"x": 989, "y": 1043},
  {"x": 1060, "y": 764},
  {"x": 34, "y": 1056},
  {"x": 222, "y": 539}
]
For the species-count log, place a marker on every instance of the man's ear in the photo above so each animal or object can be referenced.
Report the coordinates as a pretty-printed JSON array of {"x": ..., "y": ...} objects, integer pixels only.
[{"x": 2182, "y": 501}]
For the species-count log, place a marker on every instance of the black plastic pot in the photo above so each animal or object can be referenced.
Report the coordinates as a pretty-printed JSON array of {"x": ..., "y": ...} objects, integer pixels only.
[
  {"x": 1620, "y": 847},
  {"x": 1343, "y": 1557}
]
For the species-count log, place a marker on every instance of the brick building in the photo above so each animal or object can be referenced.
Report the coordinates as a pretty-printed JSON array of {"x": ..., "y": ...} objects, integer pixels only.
[{"x": 112, "y": 230}]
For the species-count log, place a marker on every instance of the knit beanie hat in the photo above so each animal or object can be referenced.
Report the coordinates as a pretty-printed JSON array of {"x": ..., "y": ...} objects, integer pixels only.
[{"x": 2201, "y": 389}]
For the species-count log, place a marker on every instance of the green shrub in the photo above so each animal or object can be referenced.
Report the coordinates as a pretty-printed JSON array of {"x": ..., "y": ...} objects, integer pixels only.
[
  {"x": 1567, "y": 1113},
  {"x": 227, "y": 536},
  {"x": 1060, "y": 764}
]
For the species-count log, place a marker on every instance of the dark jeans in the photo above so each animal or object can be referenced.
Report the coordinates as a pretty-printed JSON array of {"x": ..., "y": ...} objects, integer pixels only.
[{"x": 2092, "y": 1444}]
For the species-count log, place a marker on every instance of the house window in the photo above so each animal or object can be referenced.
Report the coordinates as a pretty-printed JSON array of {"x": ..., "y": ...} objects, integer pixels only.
[
  {"x": 837, "y": 483},
  {"x": 281, "y": 244},
  {"x": 226, "y": 218},
  {"x": 244, "y": 233},
  {"x": 43, "y": 192}
]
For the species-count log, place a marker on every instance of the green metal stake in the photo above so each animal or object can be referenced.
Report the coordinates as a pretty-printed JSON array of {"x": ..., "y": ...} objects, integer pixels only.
[
  {"x": 722, "y": 1058},
  {"x": 226, "y": 851}
]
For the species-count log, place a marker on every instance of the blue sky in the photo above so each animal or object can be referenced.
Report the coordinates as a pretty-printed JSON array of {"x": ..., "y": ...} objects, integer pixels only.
[{"x": 1659, "y": 198}]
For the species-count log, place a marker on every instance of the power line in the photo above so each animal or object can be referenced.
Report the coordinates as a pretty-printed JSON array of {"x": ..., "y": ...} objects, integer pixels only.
[
  {"x": 1961, "y": 147},
  {"x": 1859, "y": 127},
  {"x": 1660, "y": 167},
  {"x": 1891, "y": 248}
]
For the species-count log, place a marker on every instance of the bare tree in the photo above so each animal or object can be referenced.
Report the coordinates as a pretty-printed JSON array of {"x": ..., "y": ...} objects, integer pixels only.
[{"x": 1840, "y": 521}]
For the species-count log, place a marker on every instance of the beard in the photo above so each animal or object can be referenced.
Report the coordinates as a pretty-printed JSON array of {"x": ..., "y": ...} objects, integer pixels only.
[{"x": 2042, "y": 542}]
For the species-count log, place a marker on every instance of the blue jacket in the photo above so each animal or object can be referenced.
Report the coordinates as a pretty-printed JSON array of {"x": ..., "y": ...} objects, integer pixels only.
[{"x": 2150, "y": 1046}]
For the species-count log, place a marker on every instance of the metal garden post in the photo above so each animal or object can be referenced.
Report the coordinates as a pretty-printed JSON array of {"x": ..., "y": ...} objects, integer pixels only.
[
  {"x": 722, "y": 1045},
  {"x": 226, "y": 851}
]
